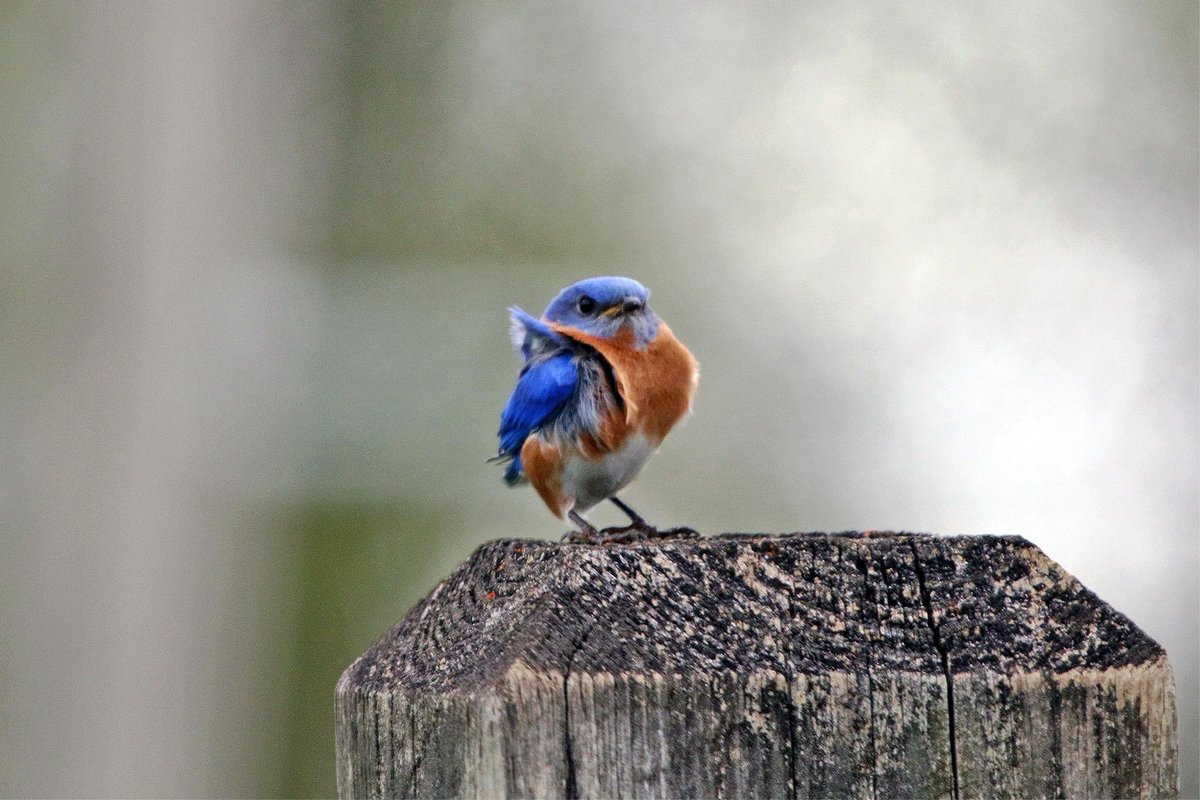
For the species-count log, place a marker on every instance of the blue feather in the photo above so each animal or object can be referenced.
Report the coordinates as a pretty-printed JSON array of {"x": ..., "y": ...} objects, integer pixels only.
[
  {"x": 532, "y": 336},
  {"x": 544, "y": 388}
]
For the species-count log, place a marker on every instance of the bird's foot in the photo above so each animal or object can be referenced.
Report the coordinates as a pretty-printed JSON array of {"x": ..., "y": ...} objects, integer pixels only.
[
  {"x": 629, "y": 534},
  {"x": 642, "y": 531},
  {"x": 680, "y": 532},
  {"x": 583, "y": 537}
]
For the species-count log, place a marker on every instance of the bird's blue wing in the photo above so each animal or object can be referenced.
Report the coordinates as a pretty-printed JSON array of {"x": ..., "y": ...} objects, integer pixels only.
[{"x": 545, "y": 386}]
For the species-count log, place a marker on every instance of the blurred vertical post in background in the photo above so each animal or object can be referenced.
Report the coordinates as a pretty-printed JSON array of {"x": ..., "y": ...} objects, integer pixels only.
[
  {"x": 254, "y": 259},
  {"x": 164, "y": 165}
]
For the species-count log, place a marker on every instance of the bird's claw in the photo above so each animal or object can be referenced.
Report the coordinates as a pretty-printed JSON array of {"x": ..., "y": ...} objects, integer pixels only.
[{"x": 629, "y": 534}]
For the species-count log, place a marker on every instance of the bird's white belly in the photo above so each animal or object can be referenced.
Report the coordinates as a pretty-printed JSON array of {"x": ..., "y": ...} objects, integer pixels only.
[{"x": 589, "y": 482}]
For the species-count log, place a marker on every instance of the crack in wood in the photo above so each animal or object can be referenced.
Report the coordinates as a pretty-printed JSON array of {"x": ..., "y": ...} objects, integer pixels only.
[
  {"x": 415, "y": 761},
  {"x": 863, "y": 565},
  {"x": 790, "y": 681},
  {"x": 380, "y": 764},
  {"x": 945, "y": 658},
  {"x": 571, "y": 788}
]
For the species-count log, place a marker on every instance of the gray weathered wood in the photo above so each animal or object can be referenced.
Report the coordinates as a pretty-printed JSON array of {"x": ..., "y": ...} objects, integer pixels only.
[{"x": 805, "y": 665}]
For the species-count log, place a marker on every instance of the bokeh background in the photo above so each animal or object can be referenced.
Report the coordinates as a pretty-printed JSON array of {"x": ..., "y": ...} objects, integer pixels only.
[{"x": 938, "y": 260}]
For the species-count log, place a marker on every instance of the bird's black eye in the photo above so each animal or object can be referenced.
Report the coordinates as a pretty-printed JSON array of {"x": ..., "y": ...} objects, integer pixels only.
[{"x": 586, "y": 305}]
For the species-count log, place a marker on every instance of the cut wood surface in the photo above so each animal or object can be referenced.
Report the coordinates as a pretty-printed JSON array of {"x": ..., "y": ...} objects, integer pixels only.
[{"x": 791, "y": 666}]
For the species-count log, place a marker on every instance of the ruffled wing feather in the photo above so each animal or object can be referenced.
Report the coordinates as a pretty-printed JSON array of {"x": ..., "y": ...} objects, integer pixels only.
[{"x": 543, "y": 389}]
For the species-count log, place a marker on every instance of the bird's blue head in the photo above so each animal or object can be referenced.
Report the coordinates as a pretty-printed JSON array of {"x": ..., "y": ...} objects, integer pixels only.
[{"x": 603, "y": 307}]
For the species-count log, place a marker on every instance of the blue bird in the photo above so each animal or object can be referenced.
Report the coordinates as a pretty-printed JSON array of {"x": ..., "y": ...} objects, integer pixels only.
[{"x": 603, "y": 382}]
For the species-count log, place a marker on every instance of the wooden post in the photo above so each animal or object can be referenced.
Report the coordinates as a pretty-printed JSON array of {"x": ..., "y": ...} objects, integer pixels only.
[{"x": 807, "y": 665}]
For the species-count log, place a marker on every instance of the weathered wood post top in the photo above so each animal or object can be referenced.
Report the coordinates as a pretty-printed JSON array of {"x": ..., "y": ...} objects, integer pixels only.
[{"x": 791, "y": 666}]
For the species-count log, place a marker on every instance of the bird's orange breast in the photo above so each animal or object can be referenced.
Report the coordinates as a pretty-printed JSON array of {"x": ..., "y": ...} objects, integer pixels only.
[{"x": 655, "y": 382}]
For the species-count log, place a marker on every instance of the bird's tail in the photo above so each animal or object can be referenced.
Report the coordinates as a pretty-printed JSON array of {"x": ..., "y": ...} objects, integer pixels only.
[{"x": 514, "y": 475}]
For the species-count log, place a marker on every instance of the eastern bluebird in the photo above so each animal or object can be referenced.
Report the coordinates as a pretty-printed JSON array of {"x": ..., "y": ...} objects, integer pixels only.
[{"x": 603, "y": 382}]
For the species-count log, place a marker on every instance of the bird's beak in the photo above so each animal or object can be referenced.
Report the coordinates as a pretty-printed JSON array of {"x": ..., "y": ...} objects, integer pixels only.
[{"x": 627, "y": 306}]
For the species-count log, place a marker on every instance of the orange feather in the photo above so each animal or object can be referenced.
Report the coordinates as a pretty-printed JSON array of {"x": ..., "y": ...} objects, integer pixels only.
[
  {"x": 542, "y": 464},
  {"x": 656, "y": 382}
]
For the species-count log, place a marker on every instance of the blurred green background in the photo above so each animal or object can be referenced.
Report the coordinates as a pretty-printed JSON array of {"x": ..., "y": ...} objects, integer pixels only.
[{"x": 938, "y": 261}]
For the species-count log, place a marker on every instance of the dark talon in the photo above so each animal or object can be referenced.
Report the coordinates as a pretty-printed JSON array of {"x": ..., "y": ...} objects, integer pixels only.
[
  {"x": 629, "y": 534},
  {"x": 682, "y": 532},
  {"x": 625, "y": 535},
  {"x": 638, "y": 530},
  {"x": 650, "y": 532}
]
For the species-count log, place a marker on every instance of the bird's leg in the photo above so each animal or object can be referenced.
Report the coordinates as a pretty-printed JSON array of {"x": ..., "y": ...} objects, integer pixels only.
[
  {"x": 635, "y": 518},
  {"x": 639, "y": 525},
  {"x": 587, "y": 533},
  {"x": 638, "y": 530}
]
